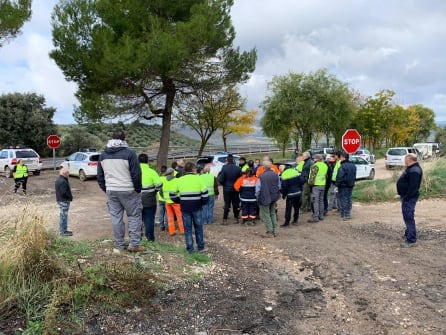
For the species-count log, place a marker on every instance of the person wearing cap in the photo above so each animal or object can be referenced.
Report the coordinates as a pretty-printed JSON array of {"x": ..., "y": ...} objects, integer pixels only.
[
  {"x": 267, "y": 193},
  {"x": 191, "y": 193},
  {"x": 172, "y": 209},
  {"x": 227, "y": 177},
  {"x": 345, "y": 181},
  {"x": 119, "y": 176},
  {"x": 151, "y": 185},
  {"x": 317, "y": 180},
  {"x": 243, "y": 165}
]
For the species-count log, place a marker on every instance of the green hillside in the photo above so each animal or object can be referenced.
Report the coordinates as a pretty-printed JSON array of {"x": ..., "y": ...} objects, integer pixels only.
[{"x": 138, "y": 135}]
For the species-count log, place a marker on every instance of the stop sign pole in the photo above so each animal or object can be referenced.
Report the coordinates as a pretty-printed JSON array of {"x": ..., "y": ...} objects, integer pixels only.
[
  {"x": 351, "y": 141},
  {"x": 53, "y": 142}
]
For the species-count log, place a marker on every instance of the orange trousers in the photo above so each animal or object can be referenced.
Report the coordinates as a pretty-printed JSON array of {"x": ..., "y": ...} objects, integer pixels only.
[{"x": 172, "y": 211}]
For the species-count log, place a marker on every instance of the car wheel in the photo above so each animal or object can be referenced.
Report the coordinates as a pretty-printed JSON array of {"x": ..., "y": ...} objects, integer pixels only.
[
  {"x": 82, "y": 175},
  {"x": 36, "y": 173},
  {"x": 387, "y": 167},
  {"x": 8, "y": 172},
  {"x": 372, "y": 174}
]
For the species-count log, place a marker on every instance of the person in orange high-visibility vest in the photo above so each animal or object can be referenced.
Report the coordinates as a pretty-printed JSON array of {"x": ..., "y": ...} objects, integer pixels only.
[{"x": 246, "y": 186}]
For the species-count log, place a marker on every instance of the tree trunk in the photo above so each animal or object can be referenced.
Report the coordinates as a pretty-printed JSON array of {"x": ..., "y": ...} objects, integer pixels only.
[
  {"x": 225, "y": 148},
  {"x": 163, "y": 151}
]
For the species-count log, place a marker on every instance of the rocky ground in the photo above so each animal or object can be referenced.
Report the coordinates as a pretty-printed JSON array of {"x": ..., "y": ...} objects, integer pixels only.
[{"x": 332, "y": 277}]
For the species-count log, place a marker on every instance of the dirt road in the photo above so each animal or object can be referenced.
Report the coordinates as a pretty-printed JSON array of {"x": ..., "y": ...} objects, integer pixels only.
[{"x": 331, "y": 277}]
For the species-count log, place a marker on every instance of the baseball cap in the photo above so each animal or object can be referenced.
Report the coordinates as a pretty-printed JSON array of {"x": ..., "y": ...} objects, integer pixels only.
[{"x": 169, "y": 170}]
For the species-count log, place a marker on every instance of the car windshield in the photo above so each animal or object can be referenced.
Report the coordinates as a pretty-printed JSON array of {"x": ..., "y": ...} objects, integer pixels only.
[
  {"x": 26, "y": 154},
  {"x": 397, "y": 152}
]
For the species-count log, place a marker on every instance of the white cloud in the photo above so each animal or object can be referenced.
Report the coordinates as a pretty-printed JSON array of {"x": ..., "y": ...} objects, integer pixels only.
[{"x": 371, "y": 45}]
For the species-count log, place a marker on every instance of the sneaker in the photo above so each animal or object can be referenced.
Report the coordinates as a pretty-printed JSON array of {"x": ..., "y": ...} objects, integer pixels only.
[
  {"x": 138, "y": 248},
  {"x": 312, "y": 220},
  {"x": 285, "y": 225},
  {"x": 67, "y": 233},
  {"x": 24, "y": 192},
  {"x": 346, "y": 218},
  {"x": 236, "y": 221},
  {"x": 224, "y": 222},
  {"x": 267, "y": 235},
  {"x": 203, "y": 250},
  {"x": 294, "y": 223},
  {"x": 408, "y": 244}
]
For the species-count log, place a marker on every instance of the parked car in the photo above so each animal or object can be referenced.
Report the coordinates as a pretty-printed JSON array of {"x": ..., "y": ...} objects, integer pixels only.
[
  {"x": 216, "y": 161},
  {"x": 395, "y": 156},
  {"x": 10, "y": 157},
  {"x": 364, "y": 168},
  {"x": 367, "y": 155},
  {"x": 82, "y": 164}
]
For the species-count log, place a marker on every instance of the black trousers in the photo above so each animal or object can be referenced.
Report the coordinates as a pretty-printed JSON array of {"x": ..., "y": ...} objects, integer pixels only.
[
  {"x": 292, "y": 203},
  {"x": 231, "y": 198}
]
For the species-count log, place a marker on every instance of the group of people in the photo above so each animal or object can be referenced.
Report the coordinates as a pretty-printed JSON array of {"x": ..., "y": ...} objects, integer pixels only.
[{"x": 186, "y": 194}]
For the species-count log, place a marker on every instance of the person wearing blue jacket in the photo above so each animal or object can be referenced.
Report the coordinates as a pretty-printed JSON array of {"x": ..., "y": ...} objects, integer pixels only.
[
  {"x": 345, "y": 181},
  {"x": 119, "y": 176}
]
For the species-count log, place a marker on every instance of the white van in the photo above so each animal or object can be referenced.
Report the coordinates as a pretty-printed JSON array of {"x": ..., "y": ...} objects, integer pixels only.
[{"x": 428, "y": 150}]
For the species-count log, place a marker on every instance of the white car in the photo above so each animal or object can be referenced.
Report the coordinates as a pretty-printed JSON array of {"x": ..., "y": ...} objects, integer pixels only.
[
  {"x": 82, "y": 164},
  {"x": 364, "y": 169},
  {"x": 216, "y": 161},
  {"x": 10, "y": 157},
  {"x": 367, "y": 155},
  {"x": 395, "y": 156}
]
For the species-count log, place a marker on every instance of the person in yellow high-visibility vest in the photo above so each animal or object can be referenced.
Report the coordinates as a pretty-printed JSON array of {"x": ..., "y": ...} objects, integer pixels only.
[
  {"x": 20, "y": 174},
  {"x": 317, "y": 180}
]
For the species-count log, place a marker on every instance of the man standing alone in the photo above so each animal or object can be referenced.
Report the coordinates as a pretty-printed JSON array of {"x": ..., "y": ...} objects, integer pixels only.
[
  {"x": 119, "y": 176},
  {"x": 408, "y": 188},
  {"x": 63, "y": 198}
]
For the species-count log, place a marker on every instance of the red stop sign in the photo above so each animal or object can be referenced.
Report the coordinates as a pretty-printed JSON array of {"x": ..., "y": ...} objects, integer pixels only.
[
  {"x": 351, "y": 141},
  {"x": 53, "y": 141}
]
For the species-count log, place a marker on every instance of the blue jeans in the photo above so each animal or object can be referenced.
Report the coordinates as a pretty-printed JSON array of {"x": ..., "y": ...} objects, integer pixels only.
[
  {"x": 193, "y": 220},
  {"x": 148, "y": 217},
  {"x": 63, "y": 216},
  {"x": 345, "y": 197},
  {"x": 208, "y": 210},
  {"x": 130, "y": 202},
  {"x": 408, "y": 209},
  {"x": 162, "y": 214}
]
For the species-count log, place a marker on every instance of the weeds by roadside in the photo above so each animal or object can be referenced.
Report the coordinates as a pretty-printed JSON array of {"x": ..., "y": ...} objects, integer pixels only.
[
  {"x": 49, "y": 283},
  {"x": 433, "y": 184}
]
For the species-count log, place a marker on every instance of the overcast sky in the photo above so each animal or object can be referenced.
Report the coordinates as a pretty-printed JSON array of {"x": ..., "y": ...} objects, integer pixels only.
[{"x": 371, "y": 45}]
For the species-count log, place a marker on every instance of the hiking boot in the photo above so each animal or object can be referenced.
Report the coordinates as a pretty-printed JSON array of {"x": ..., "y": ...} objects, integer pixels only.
[
  {"x": 138, "y": 248},
  {"x": 286, "y": 224},
  {"x": 408, "y": 244},
  {"x": 267, "y": 235},
  {"x": 67, "y": 233}
]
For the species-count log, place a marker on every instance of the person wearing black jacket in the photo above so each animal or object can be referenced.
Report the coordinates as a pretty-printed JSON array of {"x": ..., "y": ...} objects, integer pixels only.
[
  {"x": 345, "y": 181},
  {"x": 227, "y": 177},
  {"x": 64, "y": 197},
  {"x": 408, "y": 188}
]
